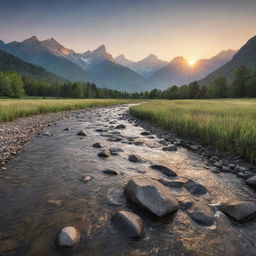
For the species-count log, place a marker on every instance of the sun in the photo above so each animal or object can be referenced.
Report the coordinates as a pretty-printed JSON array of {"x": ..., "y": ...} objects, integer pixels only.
[{"x": 191, "y": 62}]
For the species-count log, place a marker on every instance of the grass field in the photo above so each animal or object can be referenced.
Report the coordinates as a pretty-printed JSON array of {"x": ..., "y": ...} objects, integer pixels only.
[
  {"x": 228, "y": 125},
  {"x": 11, "y": 109}
]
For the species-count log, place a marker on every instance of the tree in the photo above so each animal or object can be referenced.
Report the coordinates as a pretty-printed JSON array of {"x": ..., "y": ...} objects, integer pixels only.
[
  {"x": 241, "y": 77},
  {"x": 218, "y": 88},
  {"x": 194, "y": 90}
]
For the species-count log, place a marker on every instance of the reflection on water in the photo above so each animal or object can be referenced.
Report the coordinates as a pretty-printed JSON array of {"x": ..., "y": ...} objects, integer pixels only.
[{"x": 51, "y": 167}]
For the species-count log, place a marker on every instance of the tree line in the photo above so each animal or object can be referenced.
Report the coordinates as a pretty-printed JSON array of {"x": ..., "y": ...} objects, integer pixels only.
[{"x": 243, "y": 85}]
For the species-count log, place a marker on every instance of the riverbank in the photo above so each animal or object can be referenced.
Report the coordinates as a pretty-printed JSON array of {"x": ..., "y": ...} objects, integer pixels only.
[
  {"x": 227, "y": 125},
  {"x": 14, "y": 134},
  {"x": 11, "y": 109}
]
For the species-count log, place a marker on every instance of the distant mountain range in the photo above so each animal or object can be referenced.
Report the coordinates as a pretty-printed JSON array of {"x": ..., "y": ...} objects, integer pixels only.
[
  {"x": 146, "y": 67},
  {"x": 245, "y": 56},
  {"x": 101, "y": 67},
  {"x": 9, "y": 62}
]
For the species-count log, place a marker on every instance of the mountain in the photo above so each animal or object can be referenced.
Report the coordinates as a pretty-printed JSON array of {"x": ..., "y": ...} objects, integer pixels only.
[
  {"x": 145, "y": 67},
  {"x": 41, "y": 53},
  {"x": 245, "y": 56},
  {"x": 9, "y": 62},
  {"x": 114, "y": 76},
  {"x": 95, "y": 66},
  {"x": 178, "y": 71}
]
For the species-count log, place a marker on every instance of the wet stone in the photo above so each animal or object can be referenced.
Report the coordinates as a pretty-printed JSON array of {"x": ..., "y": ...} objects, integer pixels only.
[
  {"x": 240, "y": 211},
  {"x": 172, "y": 183},
  {"x": 111, "y": 172},
  {"x": 120, "y": 126},
  {"x": 195, "y": 188},
  {"x": 134, "y": 158},
  {"x": 97, "y": 145},
  {"x": 152, "y": 196},
  {"x": 251, "y": 181},
  {"x": 145, "y": 133},
  {"x": 104, "y": 153},
  {"x": 202, "y": 218},
  {"x": 128, "y": 223},
  {"x": 170, "y": 148},
  {"x": 115, "y": 151},
  {"x": 67, "y": 129},
  {"x": 115, "y": 138},
  {"x": 55, "y": 202},
  {"x": 86, "y": 178},
  {"x": 82, "y": 133},
  {"x": 138, "y": 143},
  {"x": 185, "y": 205},
  {"x": 68, "y": 236},
  {"x": 163, "y": 169}
]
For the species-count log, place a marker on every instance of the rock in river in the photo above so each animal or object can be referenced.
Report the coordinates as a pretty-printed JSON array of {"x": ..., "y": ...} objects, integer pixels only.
[
  {"x": 111, "y": 172},
  {"x": 120, "y": 126},
  {"x": 251, "y": 181},
  {"x": 134, "y": 158},
  {"x": 97, "y": 145},
  {"x": 195, "y": 188},
  {"x": 104, "y": 153},
  {"x": 68, "y": 237},
  {"x": 129, "y": 223},
  {"x": 170, "y": 148},
  {"x": 163, "y": 169},
  {"x": 201, "y": 218},
  {"x": 240, "y": 211},
  {"x": 151, "y": 195},
  {"x": 145, "y": 133},
  {"x": 82, "y": 133}
]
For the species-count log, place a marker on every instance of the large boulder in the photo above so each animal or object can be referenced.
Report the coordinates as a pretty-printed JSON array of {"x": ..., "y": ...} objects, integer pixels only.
[
  {"x": 240, "y": 211},
  {"x": 195, "y": 188},
  {"x": 163, "y": 169},
  {"x": 251, "y": 181},
  {"x": 129, "y": 223},
  {"x": 151, "y": 195},
  {"x": 68, "y": 237}
]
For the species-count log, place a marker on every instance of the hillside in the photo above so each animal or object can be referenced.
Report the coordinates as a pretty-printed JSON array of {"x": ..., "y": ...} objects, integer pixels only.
[
  {"x": 9, "y": 62},
  {"x": 245, "y": 56}
]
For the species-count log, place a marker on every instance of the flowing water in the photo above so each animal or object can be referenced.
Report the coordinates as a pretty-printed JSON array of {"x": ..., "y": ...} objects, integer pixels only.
[{"x": 51, "y": 167}]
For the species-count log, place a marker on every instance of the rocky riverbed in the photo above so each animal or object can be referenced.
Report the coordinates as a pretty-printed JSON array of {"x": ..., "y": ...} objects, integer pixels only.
[{"x": 100, "y": 182}]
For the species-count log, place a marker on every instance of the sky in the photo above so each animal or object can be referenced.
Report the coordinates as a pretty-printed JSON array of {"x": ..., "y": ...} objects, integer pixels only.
[{"x": 194, "y": 29}]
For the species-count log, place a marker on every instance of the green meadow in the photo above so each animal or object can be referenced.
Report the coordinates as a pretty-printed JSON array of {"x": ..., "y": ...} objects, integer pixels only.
[
  {"x": 11, "y": 109},
  {"x": 228, "y": 125}
]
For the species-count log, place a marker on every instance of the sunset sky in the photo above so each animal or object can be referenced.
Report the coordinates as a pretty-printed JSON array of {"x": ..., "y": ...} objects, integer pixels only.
[{"x": 168, "y": 28}]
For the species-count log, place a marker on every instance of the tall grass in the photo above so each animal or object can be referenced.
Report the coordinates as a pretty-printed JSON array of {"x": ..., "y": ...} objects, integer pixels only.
[
  {"x": 11, "y": 109},
  {"x": 228, "y": 125}
]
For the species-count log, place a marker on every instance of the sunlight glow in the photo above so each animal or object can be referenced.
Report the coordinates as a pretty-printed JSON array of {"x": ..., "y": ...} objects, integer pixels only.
[{"x": 191, "y": 62}]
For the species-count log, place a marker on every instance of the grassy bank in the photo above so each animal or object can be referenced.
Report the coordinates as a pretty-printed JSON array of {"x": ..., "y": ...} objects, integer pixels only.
[
  {"x": 11, "y": 109},
  {"x": 228, "y": 125}
]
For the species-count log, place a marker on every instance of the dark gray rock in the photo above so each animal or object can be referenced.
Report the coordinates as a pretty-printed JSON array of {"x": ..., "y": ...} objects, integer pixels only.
[
  {"x": 240, "y": 211},
  {"x": 67, "y": 129},
  {"x": 195, "y": 188},
  {"x": 134, "y": 158},
  {"x": 163, "y": 142},
  {"x": 82, "y": 133},
  {"x": 163, "y": 169},
  {"x": 145, "y": 133},
  {"x": 138, "y": 143},
  {"x": 115, "y": 151},
  {"x": 97, "y": 145},
  {"x": 111, "y": 172},
  {"x": 202, "y": 218},
  {"x": 128, "y": 223},
  {"x": 120, "y": 126},
  {"x": 170, "y": 148},
  {"x": 185, "y": 205},
  {"x": 251, "y": 181},
  {"x": 104, "y": 153},
  {"x": 151, "y": 195},
  {"x": 172, "y": 183}
]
